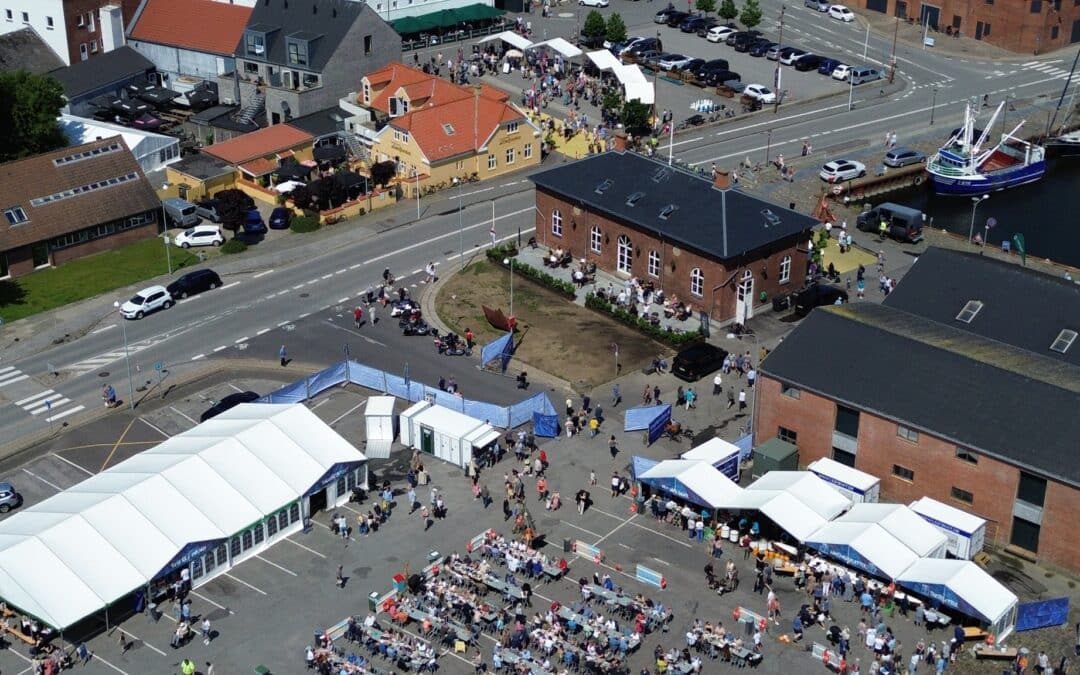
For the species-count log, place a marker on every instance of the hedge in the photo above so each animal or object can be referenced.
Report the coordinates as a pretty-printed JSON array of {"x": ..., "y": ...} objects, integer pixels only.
[
  {"x": 305, "y": 224},
  {"x": 598, "y": 304},
  {"x": 497, "y": 254},
  {"x": 233, "y": 246}
]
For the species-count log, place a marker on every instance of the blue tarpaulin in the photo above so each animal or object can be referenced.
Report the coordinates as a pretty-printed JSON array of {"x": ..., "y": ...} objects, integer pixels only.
[
  {"x": 501, "y": 348},
  {"x": 636, "y": 419},
  {"x": 1032, "y": 615},
  {"x": 545, "y": 426}
]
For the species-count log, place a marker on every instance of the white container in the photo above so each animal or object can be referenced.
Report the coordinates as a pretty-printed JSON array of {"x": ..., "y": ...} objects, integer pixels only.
[
  {"x": 444, "y": 433},
  {"x": 381, "y": 426},
  {"x": 966, "y": 532},
  {"x": 858, "y": 486}
]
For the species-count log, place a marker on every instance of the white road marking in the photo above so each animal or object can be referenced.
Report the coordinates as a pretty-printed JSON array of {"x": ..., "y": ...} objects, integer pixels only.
[
  {"x": 119, "y": 670},
  {"x": 262, "y": 331},
  {"x": 47, "y": 482},
  {"x": 262, "y": 274},
  {"x": 236, "y": 387},
  {"x": 283, "y": 323},
  {"x": 65, "y": 459},
  {"x": 139, "y": 639},
  {"x": 218, "y": 349},
  {"x": 182, "y": 414},
  {"x": 238, "y": 580},
  {"x": 103, "y": 329},
  {"x": 342, "y": 415},
  {"x": 65, "y": 413},
  {"x": 274, "y": 564},
  {"x": 578, "y": 527},
  {"x": 309, "y": 550},
  {"x": 304, "y": 315},
  {"x": 642, "y": 527},
  {"x": 356, "y": 266},
  {"x": 49, "y": 404},
  {"x": 484, "y": 223},
  {"x": 243, "y": 339},
  {"x": 34, "y": 397},
  {"x": 326, "y": 276},
  {"x": 235, "y": 283},
  {"x": 297, "y": 287},
  {"x": 616, "y": 529},
  {"x": 343, "y": 300},
  {"x": 198, "y": 356},
  {"x": 154, "y": 427},
  {"x": 200, "y": 595}
]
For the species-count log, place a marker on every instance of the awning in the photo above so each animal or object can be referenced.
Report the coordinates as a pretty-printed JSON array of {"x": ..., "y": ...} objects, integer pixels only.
[
  {"x": 511, "y": 38},
  {"x": 865, "y": 546},
  {"x": 258, "y": 167},
  {"x": 444, "y": 18},
  {"x": 961, "y": 585},
  {"x": 561, "y": 46}
]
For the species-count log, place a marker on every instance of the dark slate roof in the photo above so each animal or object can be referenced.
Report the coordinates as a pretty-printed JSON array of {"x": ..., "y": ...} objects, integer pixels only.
[
  {"x": 24, "y": 49},
  {"x": 203, "y": 167},
  {"x": 982, "y": 394},
  {"x": 321, "y": 122},
  {"x": 720, "y": 223},
  {"x": 1021, "y": 307},
  {"x": 324, "y": 21},
  {"x": 113, "y": 67}
]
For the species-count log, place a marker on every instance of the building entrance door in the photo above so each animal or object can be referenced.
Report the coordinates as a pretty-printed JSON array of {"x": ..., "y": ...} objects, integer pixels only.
[
  {"x": 625, "y": 254},
  {"x": 744, "y": 301}
]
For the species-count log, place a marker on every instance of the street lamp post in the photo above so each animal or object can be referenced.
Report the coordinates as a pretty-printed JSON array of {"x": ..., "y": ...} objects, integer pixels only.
[
  {"x": 933, "y": 106},
  {"x": 168, "y": 254},
  {"x": 975, "y": 201},
  {"x": 768, "y": 145},
  {"x": 460, "y": 227},
  {"x": 776, "y": 103},
  {"x": 127, "y": 357},
  {"x": 510, "y": 263}
]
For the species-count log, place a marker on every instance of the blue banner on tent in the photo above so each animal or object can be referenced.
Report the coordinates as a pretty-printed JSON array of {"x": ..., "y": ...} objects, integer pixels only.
[
  {"x": 636, "y": 419},
  {"x": 1032, "y": 615},
  {"x": 659, "y": 423}
]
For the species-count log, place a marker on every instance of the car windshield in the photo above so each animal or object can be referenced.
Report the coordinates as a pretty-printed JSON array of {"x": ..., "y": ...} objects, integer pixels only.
[
  {"x": 188, "y": 233},
  {"x": 137, "y": 300}
]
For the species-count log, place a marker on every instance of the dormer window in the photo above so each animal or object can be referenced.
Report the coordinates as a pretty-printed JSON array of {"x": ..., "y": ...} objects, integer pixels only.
[
  {"x": 511, "y": 127},
  {"x": 256, "y": 44},
  {"x": 298, "y": 51},
  {"x": 666, "y": 212},
  {"x": 1063, "y": 341}
]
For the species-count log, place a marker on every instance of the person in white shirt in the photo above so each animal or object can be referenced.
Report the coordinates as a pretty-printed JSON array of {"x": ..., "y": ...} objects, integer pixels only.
[{"x": 717, "y": 384}]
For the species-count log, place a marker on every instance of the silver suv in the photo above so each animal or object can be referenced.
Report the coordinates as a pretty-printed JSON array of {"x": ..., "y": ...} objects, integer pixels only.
[{"x": 9, "y": 498}]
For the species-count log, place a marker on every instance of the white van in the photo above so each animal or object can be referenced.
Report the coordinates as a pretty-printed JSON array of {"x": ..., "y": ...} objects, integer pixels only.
[
  {"x": 860, "y": 74},
  {"x": 180, "y": 212}
]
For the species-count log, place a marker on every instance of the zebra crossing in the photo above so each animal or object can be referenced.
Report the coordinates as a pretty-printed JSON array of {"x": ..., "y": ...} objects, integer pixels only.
[
  {"x": 11, "y": 375},
  {"x": 49, "y": 401},
  {"x": 87, "y": 365},
  {"x": 1047, "y": 69}
]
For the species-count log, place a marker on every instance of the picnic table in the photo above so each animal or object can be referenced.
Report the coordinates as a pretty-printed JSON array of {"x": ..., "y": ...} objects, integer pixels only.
[{"x": 996, "y": 653}]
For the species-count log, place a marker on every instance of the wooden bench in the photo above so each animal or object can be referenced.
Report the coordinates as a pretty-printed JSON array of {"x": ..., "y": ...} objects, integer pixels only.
[{"x": 17, "y": 633}]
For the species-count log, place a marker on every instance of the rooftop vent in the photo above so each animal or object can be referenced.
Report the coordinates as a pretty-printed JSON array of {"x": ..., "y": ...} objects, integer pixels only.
[
  {"x": 661, "y": 175},
  {"x": 969, "y": 311},
  {"x": 668, "y": 210},
  {"x": 634, "y": 198},
  {"x": 771, "y": 219},
  {"x": 602, "y": 187},
  {"x": 1063, "y": 341},
  {"x": 448, "y": 128}
]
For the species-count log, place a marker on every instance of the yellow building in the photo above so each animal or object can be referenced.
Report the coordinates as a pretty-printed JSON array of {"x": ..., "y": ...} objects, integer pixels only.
[
  {"x": 260, "y": 153},
  {"x": 439, "y": 131},
  {"x": 198, "y": 177}
]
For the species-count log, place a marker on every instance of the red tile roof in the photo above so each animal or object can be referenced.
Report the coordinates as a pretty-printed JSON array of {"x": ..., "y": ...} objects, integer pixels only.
[
  {"x": 420, "y": 87},
  {"x": 257, "y": 144},
  {"x": 198, "y": 25}
]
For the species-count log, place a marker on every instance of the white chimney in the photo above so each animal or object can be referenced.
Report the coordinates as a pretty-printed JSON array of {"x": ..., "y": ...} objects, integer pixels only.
[{"x": 112, "y": 27}]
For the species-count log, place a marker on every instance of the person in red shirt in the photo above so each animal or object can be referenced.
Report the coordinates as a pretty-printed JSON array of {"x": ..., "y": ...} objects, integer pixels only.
[
  {"x": 469, "y": 337},
  {"x": 543, "y": 457},
  {"x": 358, "y": 316}
]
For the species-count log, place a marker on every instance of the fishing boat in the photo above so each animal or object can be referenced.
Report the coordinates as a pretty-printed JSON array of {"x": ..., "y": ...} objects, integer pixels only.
[
  {"x": 964, "y": 167},
  {"x": 1066, "y": 145}
]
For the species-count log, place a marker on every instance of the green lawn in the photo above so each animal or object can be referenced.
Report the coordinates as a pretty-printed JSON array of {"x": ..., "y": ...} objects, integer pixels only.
[{"x": 87, "y": 277}]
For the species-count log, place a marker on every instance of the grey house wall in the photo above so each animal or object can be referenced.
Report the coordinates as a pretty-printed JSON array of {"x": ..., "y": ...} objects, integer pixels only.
[{"x": 178, "y": 62}]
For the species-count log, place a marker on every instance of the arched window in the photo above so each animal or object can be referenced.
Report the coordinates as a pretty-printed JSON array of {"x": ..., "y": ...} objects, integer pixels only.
[
  {"x": 556, "y": 222},
  {"x": 654, "y": 263},
  {"x": 594, "y": 239},
  {"x": 697, "y": 282},
  {"x": 625, "y": 254}
]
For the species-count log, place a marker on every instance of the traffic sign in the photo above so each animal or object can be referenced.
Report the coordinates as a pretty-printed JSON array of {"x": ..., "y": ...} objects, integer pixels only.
[{"x": 159, "y": 366}]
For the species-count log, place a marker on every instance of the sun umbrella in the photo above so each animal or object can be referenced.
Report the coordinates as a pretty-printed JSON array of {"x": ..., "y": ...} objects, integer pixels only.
[{"x": 514, "y": 54}]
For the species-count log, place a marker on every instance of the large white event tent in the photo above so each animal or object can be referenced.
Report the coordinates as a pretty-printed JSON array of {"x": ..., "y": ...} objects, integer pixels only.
[
  {"x": 964, "y": 586},
  {"x": 695, "y": 481},
  {"x": 635, "y": 85},
  {"x": 204, "y": 499},
  {"x": 561, "y": 46},
  {"x": 511, "y": 38},
  {"x": 864, "y": 546},
  {"x": 797, "y": 501},
  {"x": 902, "y": 523}
]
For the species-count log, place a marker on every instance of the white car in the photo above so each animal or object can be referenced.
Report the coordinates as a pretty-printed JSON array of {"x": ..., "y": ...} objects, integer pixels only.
[
  {"x": 841, "y": 170},
  {"x": 842, "y": 72},
  {"x": 200, "y": 235},
  {"x": 593, "y": 3},
  {"x": 673, "y": 61},
  {"x": 719, "y": 33},
  {"x": 841, "y": 13},
  {"x": 147, "y": 300},
  {"x": 760, "y": 92}
]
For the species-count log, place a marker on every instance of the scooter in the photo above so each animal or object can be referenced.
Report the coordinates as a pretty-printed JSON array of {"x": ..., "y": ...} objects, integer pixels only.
[{"x": 418, "y": 327}]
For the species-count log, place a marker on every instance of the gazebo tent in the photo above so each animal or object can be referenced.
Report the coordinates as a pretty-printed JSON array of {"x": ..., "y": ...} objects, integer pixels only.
[
  {"x": 511, "y": 38},
  {"x": 561, "y": 46},
  {"x": 172, "y": 506},
  {"x": 904, "y": 524},
  {"x": 797, "y": 501},
  {"x": 719, "y": 454},
  {"x": 965, "y": 587},
  {"x": 604, "y": 60},
  {"x": 865, "y": 546},
  {"x": 697, "y": 482},
  {"x": 790, "y": 514},
  {"x": 808, "y": 489}
]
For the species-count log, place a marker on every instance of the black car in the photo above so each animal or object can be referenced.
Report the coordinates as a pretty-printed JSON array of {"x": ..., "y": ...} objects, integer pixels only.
[
  {"x": 743, "y": 42},
  {"x": 676, "y": 18},
  {"x": 697, "y": 361},
  {"x": 648, "y": 44},
  {"x": 230, "y": 401},
  {"x": 742, "y": 35},
  {"x": 808, "y": 62},
  {"x": 716, "y": 64},
  {"x": 692, "y": 24},
  {"x": 760, "y": 46},
  {"x": 704, "y": 27},
  {"x": 715, "y": 78},
  {"x": 694, "y": 66},
  {"x": 818, "y": 295},
  {"x": 193, "y": 283}
]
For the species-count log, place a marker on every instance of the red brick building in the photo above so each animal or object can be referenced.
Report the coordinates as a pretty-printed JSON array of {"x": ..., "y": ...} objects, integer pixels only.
[
  {"x": 712, "y": 246},
  {"x": 1025, "y": 26},
  {"x": 964, "y": 386}
]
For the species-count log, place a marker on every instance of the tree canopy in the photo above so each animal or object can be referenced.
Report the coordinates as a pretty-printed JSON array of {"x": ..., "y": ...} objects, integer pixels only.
[
  {"x": 616, "y": 28},
  {"x": 751, "y": 14},
  {"x": 635, "y": 117},
  {"x": 728, "y": 10},
  {"x": 594, "y": 26},
  {"x": 706, "y": 6},
  {"x": 29, "y": 106}
]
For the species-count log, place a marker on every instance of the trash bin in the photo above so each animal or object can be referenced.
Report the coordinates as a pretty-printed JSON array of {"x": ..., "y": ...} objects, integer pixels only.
[
  {"x": 781, "y": 302},
  {"x": 567, "y": 545},
  {"x": 399, "y": 583},
  {"x": 373, "y": 601}
]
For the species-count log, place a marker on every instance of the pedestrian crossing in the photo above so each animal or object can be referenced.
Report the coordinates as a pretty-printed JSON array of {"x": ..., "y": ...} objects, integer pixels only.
[
  {"x": 50, "y": 402},
  {"x": 1047, "y": 69},
  {"x": 11, "y": 375},
  {"x": 87, "y": 365}
]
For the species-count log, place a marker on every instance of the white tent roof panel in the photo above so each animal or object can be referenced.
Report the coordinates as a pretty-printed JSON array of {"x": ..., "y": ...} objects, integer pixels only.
[
  {"x": 110, "y": 576},
  {"x": 792, "y": 515},
  {"x": 172, "y": 513},
  {"x": 711, "y": 485},
  {"x": 264, "y": 489},
  {"x": 669, "y": 468},
  {"x": 901, "y": 522},
  {"x": 844, "y": 473},
  {"x": 509, "y": 37},
  {"x": 228, "y": 508},
  {"x": 560, "y": 45},
  {"x": 969, "y": 581},
  {"x": 941, "y": 512},
  {"x": 640, "y": 91},
  {"x": 604, "y": 60},
  {"x": 132, "y": 534},
  {"x": 711, "y": 451},
  {"x": 630, "y": 74},
  {"x": 814, "y": 493},
  {"x": 42, "y": 580},
  {"x": 869, "y": 541}
]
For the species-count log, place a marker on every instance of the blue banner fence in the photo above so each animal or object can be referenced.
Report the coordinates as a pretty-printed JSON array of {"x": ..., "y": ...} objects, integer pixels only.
[{"x": 361, "y": 375}]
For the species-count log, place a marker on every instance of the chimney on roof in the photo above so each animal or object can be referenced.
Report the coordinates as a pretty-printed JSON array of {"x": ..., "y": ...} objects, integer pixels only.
[
  {"x": 619, "y": 140},
  {"x": 722, "y": 179}
]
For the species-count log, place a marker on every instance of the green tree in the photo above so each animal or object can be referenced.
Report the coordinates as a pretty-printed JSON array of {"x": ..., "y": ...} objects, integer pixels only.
[
  {"x": 706, "y": 6},
  {"x": 728, "y": 11},
  {"x": 751, "y": 14},
  {"x": 594, "y": 25},
  {"x": 611, "y": 100},
  {"x": 616, "y": 28},
  {"x": 635, "y": 117},
  {"x": 29, "y": 106}
]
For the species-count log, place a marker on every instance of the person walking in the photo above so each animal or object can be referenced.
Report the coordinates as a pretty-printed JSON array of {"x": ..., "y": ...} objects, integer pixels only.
[
  {"x": 656, "y": 394},
  {"x": 613, "y": 448},
  {"x": 283, "y": 356},
  {"x": 731, "y": 398},
  {"x": 717, "y": 384},
  {"x": 485, "y": 496},
  {"x": 614, "y": 484},
  {"x": 426, "y": 515},
  {"x": 506, "y": 509},
  {"x": 339, "y": 577},
  {"x": 742, "y": 400},
  {"x": 411, "y": 494},
  {"x": 124, "y": 643},
  {"x": 205, "y": 631},
  {"x": 691, "y": 396},
  {"x": 616, "y": 397},
  {"x": 358, "y": 316},
  {"x": 594, "y": 427}
]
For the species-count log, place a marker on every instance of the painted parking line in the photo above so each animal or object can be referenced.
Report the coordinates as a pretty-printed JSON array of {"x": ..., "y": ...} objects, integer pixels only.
[
  {"x": 262, "y": 274},
  {"x": 102, "y": 329},
  {"x": 350, "y": 410},
  {"x": 206, "y": 599},
  {"x": 47, "y": 482},
  {"x": 241, "y": 581},
  {"x": 182, "y": 414},
  {"x": 154, "y": 427},
  {"x": 309, "y": 550},
  {"x": 642, "y": 527},
  {"x": 578, "y": 527},
  {"x": 136, "y": 638},
  {"x": 88, "y": 472},
  {"x": 274, "y": 564},
  {"x": 618, "y": 527},
  {"x": 119, "y": 670}
]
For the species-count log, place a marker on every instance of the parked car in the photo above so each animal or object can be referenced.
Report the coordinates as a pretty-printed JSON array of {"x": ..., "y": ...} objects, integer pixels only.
[
  {"x": 818, "y": 5},
  {"x": 827, "y": 66},
  {"x": 790, "y": 55},
  {"x": 230, "y": 401},
  {"x": 662, "y": 15},
  {"x": 841, "y": 72},
  {"x": 280, "y": 218},
  {"x": 902, "y": 223},
  {"x": 649, "y": 44},
  {"x": 694, "y": 65},
  {"x": 760, "y": 47},
  {"x": 9, "y": 497},
  {"x": 861, "y": 74},
  {"x": 193, "y": 283},
  {"x": 818, "y": 295},
  {"x": 673, "y": 61},
  {"x": 149, "y": 299},
  {"x": 714, "y": 78},
  {"x": 841, "y": 13},
  {"x": 773, "y": 54},
  {"x": 898, "y": 157},
  {"x": 842, "y": 169},
  {"x": 209, "y": 209},
  {"x": 742, "y": 43},
  {"x": 625, "y": 46},
  {"x": 593, "y": 3},
  {"x": 760, "y": 92},
  {"x": 253, "y": 222},
  {"x": 676, "y": 18},
  {"x": 705, "y": 26},
  {"x": 649, "y": 58},
  {"x": 200, "y": 235},
  {"x": 808, "y": 62},
  {"x": 719, "y": 33},
  {"x": 691, "y": 24},
  {"x": 697, "y": 361},
  {"x": 179, "y": 212},
  {"x": 741, "y": 35},
  {"x": 715, "y": 64}
]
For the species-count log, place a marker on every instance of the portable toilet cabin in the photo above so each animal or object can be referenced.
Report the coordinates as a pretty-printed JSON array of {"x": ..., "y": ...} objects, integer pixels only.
[
  {"x": 380, "y": 426},
  {"x": 447, "y": 434},
  {"x": 858, "y": 486},
  {"x": 407, "y": 426}
]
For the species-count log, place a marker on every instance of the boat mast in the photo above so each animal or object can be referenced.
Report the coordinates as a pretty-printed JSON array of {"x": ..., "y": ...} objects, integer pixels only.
[{"x": 1068, "y": 81}]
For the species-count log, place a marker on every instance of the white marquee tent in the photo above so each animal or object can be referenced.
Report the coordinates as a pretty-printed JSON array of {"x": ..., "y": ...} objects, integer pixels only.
[
  {"x": 153, "y": 151},
  {"x": 964, "y": 586},
  {"x": 865, "y": 546},
  {"x": 903, "y": 523},
  {"x": 635, "y": 85},
  {"x": 695, "y": 481},
  {"x": 561, "y": 46},
  {"x": 797, "y": 501},
  {"x": 511, "y": 38},
  {"x": 76, "y": 553}
]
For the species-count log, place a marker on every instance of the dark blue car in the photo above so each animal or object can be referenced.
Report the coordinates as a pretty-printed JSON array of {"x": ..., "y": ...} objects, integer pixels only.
[
  {"x": 827, "y": 66},
  {"x": 280, "y": 218},
  {"x": 253, "y": 222}
]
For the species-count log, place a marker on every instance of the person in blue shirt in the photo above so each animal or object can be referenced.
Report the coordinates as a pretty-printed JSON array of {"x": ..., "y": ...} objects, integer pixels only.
[{"x": 797, "y": 628}]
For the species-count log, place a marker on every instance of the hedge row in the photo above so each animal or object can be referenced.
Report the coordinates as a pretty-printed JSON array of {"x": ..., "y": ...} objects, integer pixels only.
[
  {"x": 305, "y": 224},
  {"x": 233, "y": 246},
  {"x": 565, "y": 288},
  {"x": 666, "y": 334}
]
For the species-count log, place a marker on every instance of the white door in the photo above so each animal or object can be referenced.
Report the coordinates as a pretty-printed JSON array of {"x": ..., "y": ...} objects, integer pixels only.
[
  {"x": 625, "y": 253},
  {"x": 744, "y": 301}
]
